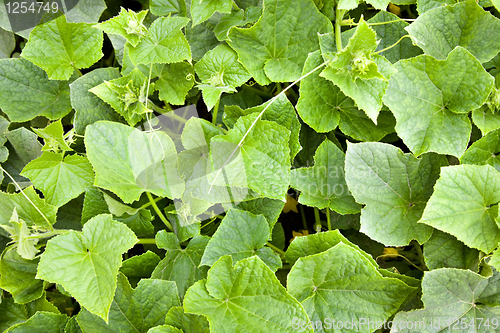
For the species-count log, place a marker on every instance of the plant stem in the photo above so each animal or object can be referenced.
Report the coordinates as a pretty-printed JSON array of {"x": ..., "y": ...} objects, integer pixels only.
[
  {"x": 328, "y": 218},
  {"x": 339, "y": 14},
  {"x": 303, "y": 216},
  {"x": 278, "y": 88},
  {"x": 390, "y": 47},
  {"x": 215, "y": 111},
  {"x": 276, "y": 249},
  {"x": 147, "y": 204},
  {"x": 158, "y": 212},
  {"x": 316, "y": 216},
  {"x": 146, "y": 241},
  {"x": 48, "y": 234},
  {"x": 258, "y": 91}
]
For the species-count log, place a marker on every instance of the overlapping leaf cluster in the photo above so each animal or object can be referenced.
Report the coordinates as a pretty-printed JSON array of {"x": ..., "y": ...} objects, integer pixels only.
[{"x": 120, "y": 212}]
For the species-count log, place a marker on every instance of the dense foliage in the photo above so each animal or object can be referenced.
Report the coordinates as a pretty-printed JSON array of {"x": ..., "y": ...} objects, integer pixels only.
[{"x": 250, "y": 166}]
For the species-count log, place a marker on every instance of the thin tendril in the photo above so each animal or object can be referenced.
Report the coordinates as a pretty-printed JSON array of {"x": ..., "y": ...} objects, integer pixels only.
[
  {"x": 271, "y": 101},
  {"x": 390, "y": 47}
]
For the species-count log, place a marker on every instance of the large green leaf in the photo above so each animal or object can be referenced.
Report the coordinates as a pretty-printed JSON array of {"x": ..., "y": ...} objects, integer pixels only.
[
  {"x": 309, "y": 245},
  {"x": 394, "y": 187},
  {"x": 7, "y": 43},
  {"x": 29, "y": 207},
  {"x": 452, "y": 298},
  {"x": 134, "y": 310},
  {"x": 342, "y": 284},
  {"x": 323, "y": 185},
  {"x": 140, "y": 267},
  {"x": 430, "y": 99},
  {"x": 11, "y": 314},
  {"x": 486, "y": 120},
  {"x": 129, "y": 162},
  {"x": 280, "y": 111},
  {"x": 245, "y": 298},
  {"x": 17, "y": 276},
  {"x": 59, "y": 47},
  {"x": 86, "y": 263},
  {"x": 90, "y": 108},
  {"x": 269, "y": 208},
  {"x": 464, "y": 204},
  {"x": 60, "y": 179},
  {"x": 188, "y": 322},
  {"x": 180, "y": 264},
  {"x": 219, "y": 71},
  {"x": 464, "y": 24},
  {"x": 262, "y": 162},
  {"x": 201, "y": 10},
  {"x": 276, "y": 47},
  {"x": 41, "y": 322},
  {"x": 164, "y": 43},
  {"x": 27, "y": 92},
  {"x": 358, "y": 72},
  {"x": 484, "y": 151},
  {"x": 241, "y": 235},
  {"x": 443, "y": 250}
]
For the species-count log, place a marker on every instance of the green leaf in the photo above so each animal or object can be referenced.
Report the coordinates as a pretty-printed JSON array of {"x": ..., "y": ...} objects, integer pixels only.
[
  {"x": 187, "y": 322},
  {"x": 232, "y": 299},
  {"x": 59, "y": 47},
  {"x": 264, "y": 157},
  {"x": 464, "y": 204},
  {"x": 139, "y": 222},
  {"x": 60, "y": 179},
  {"x": 201, "y": 10},
  {"x": 430, "y": 99},
  {"x": 134, "y": 310},
  {"x": 281, "y": 111},
  {"x": 129, "y": 162},
  {"x": 445, "y": 251},
  {"x": 7, "y": 43},
  {"x": 140, "y": 267},
  {"x": 27, "y": 92},
  {"x": 359, "y": 73},
  {"x": 41, "y": 322},
  {"x": 165, "y": 329},
  {"x": 90, "y": 108},
  {"x": 86, "y": 263},
  {"x": 394, "y": 187},
  {"x": 276, "y": 47},
  {"x": 241, "y": 235},
  {"x": 174, "y": 81},
  {"x": 342, "y": 284},
  {"x": 180, "y": 264},
  {"x": 93, "y": 204},
  {"x": 219, "y": 71},
  {"x": 29, "y": 207},
  {"x": 4, "y": 151},
  {"x": 165, "y": 7},
  {"x": 11, "y": 314},
  {"x": 318, "y": 243},
  {"x": 451, "y": 296},
  {"x": 201, "y": 38},
  {"x": 127, "y": 95},
  {"x": 17, "y": 276},
  {"x": 164, "y": 43},
  {"x": 53, "y": 136},
  {"x": 128, "y": 24},
  {"x": 269, "y": 208},
  {"x": 464, "y": 24},
  {"x": 484, "y": 151},
  {"x": 485, "y": 120},
  {"x": 237, "y": 18},
  {"x": 323, "y": 185}
]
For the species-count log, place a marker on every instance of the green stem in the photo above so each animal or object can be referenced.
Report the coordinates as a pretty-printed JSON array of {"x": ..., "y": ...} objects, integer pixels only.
[
  {"x": 78, "y": 71},
  {"x": 235, "y": 6},
  {"x": 147, "y": 204},
  {"x": 328, "y": 218},
  {"x": 279, "y": 88},
  {"x": 258, "y": 91},
  {"x": 146, "y": 241},
  {"x": 339, "y": 14},
  {"x": 165, "y": 112},
  {"x": 276, "y": 249},
  {"x": 303, "y": 216},
  {"x": 158, "y": 212},
  {"x": 215, "y": 111},
  {"x": 316, "y": 216},
  {"x": 49, "y": 234}
]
